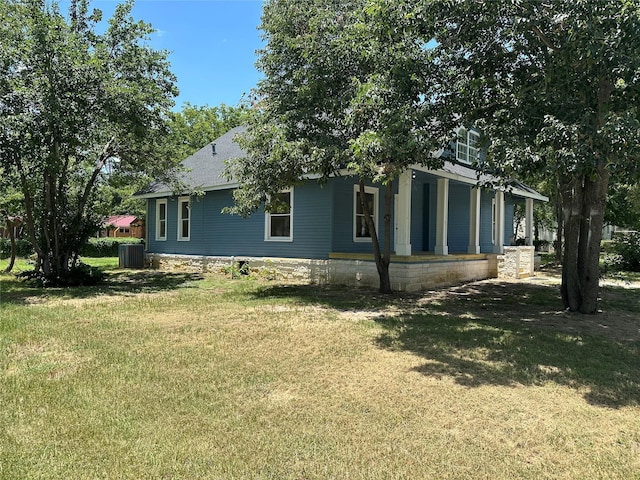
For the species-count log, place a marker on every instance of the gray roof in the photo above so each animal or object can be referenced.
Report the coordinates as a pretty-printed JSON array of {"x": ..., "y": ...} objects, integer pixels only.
[
  {"x": 204, "y": 169},
  {"x": 470, "y": 175}
]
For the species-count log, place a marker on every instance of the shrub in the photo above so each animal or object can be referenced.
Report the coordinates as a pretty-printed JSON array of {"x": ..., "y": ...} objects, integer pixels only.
[
  {"x": 626, "y": 246},
  {"x": 80, "y": 275},
  {"x": 541, "y": 245},
  {"x": 23, "y": 248},
  {"x": 106, "y": 247}
]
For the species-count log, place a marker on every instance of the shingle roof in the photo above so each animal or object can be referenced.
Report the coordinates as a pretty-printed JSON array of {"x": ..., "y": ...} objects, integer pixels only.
[{"x": 204, "y": 168}]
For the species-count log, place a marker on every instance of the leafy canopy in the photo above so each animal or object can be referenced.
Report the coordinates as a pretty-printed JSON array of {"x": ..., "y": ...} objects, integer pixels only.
[
  {"x": 75, "y": 105},
  {"x": 347, "y": 85}
]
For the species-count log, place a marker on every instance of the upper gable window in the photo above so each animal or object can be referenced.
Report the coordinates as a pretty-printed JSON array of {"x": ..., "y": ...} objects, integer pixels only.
[
  {"x": 361, "y": 231},
  {"x": 467, "y": 146},
  {"x": 184, "y": 218},
  {"x": 279, "y": 221}
]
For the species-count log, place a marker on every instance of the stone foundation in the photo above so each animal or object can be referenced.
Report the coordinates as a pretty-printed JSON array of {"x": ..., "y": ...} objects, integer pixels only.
[
  {"x": 407, "y": 273},
  {"x": 313, "y": 271},
  {"x": 516, "y": 262},
  {"x": 409, "y": 277}
]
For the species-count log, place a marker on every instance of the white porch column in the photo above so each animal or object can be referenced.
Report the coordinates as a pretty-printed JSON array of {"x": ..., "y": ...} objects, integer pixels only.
[
  {"x": 474, "y": 221},
  {"x": 498, "y": 246},
  {"x": 528, "y": 215},
  {"x": 442, "y": 217},
  {"x": 403, "y": 232}
]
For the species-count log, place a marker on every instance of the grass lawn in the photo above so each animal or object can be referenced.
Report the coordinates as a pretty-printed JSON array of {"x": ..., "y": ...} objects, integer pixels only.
[{"x": 169, "y": 375}]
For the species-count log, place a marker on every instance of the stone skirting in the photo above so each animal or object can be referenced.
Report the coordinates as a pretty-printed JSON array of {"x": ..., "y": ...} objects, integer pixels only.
[
  {"x": 516, "y": 262},
  {"x": 410, "y": 276},
  {"x": 313, "y": 271},
  {"x": 407, "y": 273}
]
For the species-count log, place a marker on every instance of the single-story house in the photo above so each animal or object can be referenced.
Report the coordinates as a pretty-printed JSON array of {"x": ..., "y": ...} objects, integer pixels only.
[
  {"x": 446, "y": 229},
  {"x": 118, "y": 226}
]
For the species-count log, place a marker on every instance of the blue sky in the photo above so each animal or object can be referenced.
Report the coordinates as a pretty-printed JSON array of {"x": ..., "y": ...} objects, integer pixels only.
[{"x": 212, "y": 44}]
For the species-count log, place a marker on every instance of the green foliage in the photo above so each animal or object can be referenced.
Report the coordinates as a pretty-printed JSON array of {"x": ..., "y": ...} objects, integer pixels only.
[
  {"x": 106, "y": 247},
  {"x": 626, "y": 252},
  {"x": 623, "y": 206},
  {"x": 347, "y": 85},
  {"x": 347, "y": 88},
  {"x": 79, "y": 106},
  {"x": 555, "y": 86},
  {"x": 79, "y": 275},
  {"x": 23, "y": 248}
]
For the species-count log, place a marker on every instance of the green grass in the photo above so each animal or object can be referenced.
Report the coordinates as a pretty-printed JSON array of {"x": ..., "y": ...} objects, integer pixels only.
[{"x": 168, "y": 375}]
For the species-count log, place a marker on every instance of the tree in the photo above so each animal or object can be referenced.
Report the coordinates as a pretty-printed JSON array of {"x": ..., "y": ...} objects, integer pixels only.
[
  {"x": 74, "y": 103},
  {"x": 556, "y": 87},
  {"x": 10, "y": 206},
  {"x": 347, "y": 85},
  {"x": 623, "y": 206}
]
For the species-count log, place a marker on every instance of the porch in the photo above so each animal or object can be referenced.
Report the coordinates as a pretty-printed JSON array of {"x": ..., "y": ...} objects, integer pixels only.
[
  {"x": 425, "y": 270},
  {"x": 419, "y": 271}
]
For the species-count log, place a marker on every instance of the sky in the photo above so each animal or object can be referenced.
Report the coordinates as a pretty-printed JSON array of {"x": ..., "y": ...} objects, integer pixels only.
[{"x": 213, "y": 44}]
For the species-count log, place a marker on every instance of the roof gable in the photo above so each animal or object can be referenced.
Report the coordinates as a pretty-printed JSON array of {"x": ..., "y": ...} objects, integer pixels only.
[{"x": 204, "y": 169}]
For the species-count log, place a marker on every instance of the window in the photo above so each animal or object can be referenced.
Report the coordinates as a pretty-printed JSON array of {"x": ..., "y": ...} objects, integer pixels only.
[
  {"x": 123, "y": 230},
  {"x": 161, "y": 219},
  {"x": 467, "y": 146},
  {"x": 361, "y": 231},
  {"x": 279, "y": 221},
  {"x": 184, "y": 215}
]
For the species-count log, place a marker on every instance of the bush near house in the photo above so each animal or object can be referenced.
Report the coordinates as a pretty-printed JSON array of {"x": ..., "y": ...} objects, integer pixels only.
[
  {"x": 96, "y": 247},
  {"x": 106, "y": 247}
]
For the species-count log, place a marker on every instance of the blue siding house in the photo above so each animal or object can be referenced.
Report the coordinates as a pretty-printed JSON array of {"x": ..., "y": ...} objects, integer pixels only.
[{"x": 445, "y": 228}]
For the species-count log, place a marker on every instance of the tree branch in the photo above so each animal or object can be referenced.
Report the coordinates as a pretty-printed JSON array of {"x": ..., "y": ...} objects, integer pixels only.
[
  {"x": 102, "y": 160},
  {"x": 543, "y": 38}
]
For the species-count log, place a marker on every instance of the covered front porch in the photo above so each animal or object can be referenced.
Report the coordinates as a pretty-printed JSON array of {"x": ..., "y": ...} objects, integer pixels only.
[
  {"x": 446, "y": 230},
  {"x": 454, "y": 215}
]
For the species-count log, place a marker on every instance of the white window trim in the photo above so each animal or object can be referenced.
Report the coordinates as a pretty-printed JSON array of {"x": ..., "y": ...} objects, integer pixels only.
[
  {"x": 267, "y": 221},
  {"x": 494, "y": 220},
  {"x": 465, "y": 158},
  {"x": 356, "y": 191},
  {"x": 158, "y": 203},
  {"x": 181, "y": 200}
]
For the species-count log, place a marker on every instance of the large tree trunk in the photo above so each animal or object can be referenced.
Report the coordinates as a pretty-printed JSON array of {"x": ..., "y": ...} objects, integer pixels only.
[
  {"x": 382, "y": 260},
  {"x": 584, "y": 201},
  {"x": 559, "y": 245},
  {"x": 12, "y": 237}
]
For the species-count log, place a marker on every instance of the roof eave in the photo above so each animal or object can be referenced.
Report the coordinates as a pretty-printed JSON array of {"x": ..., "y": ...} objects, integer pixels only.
[{"x": 170, "y": 193}]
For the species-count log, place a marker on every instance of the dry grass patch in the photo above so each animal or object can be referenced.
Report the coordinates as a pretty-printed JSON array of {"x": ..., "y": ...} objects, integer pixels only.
[{"x": 211, "y": 378}]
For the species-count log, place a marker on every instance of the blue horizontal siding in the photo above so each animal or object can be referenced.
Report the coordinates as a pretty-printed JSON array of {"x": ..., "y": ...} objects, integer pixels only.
[
  {"x": 323, "y": 222},
  {"x": 343, "y": 216},
  {"x": 458, "y": 219},
  {"x": 215, "y": 233}
]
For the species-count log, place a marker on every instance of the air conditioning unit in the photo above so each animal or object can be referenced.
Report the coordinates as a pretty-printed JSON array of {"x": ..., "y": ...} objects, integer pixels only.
[{"x": 131, "y": 256}]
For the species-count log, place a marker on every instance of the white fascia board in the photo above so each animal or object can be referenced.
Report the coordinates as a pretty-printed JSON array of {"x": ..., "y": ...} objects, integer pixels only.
[{"x": 169, "y": 193}]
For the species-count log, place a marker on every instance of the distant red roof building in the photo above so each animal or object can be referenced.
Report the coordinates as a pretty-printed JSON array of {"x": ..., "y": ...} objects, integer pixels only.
[{"x": 123, "y": 226}]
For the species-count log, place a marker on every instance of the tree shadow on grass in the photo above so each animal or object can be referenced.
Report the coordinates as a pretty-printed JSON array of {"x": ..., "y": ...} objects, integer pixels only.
[
  {"x": 117, "y": 282},
  {"x": 503, "y": 333},
  {"x": 487, "y": 352}
]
